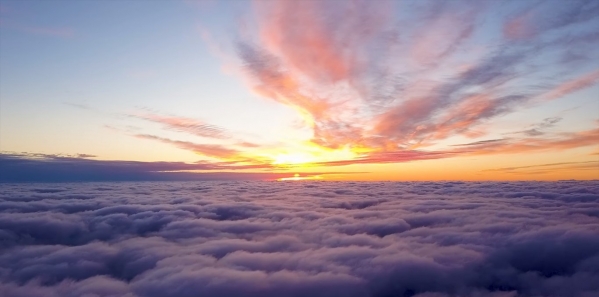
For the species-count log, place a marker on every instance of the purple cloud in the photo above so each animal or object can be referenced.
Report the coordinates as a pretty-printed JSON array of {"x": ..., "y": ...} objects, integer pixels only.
[{"x": 300, "y": 239}]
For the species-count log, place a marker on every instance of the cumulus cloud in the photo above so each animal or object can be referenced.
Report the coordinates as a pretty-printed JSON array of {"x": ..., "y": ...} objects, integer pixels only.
[{"x": 300, "y": 239}]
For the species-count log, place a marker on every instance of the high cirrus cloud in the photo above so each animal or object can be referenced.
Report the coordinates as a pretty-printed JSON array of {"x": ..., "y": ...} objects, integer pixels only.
[
  {"x": 544, "y": 168},
  {"x": 187, "y": 125},
  {"x": 388, "y": 80},
  {"x": 382, "y": 79},
  {"x": 529, "y": 144},
  {"x": 210, "y": 150},
  {"x": 300, "y": 239}
]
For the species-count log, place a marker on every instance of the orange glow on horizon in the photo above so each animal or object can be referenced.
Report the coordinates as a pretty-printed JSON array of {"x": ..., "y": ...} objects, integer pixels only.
[
  {"x": 297, "y": 177},
  {"x": 309, "y": 153}
]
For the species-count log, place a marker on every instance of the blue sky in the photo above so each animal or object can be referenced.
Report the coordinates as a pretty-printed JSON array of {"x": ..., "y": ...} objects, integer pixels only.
[{"x": 114, "y": 60}]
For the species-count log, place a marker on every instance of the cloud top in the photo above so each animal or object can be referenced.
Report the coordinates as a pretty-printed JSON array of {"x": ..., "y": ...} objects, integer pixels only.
[{"x": 300, "y": 239}]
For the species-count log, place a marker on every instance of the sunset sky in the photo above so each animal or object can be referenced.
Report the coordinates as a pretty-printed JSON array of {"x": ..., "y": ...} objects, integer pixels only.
[{"x": 332, "y": 90}]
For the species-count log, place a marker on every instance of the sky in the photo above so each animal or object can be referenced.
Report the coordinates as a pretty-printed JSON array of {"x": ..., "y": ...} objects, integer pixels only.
[{"x": 331, "y": 90}]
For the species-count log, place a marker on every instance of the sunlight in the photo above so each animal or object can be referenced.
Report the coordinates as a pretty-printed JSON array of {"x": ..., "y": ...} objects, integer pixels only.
[
  {"x": 297, "y": 177},
  {"x": 293, "y": 158},
  {"x": 310, "y": 153}
]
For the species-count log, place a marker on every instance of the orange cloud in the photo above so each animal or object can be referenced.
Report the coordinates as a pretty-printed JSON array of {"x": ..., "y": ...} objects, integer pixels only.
[
  {"x": 273, "y": 81},
  {"x": 356, "y": 83},
  {"x": 384, "y": 88},
  {"x": 549, "y": 168},
  {"x": 510, "y": 146},
  {"x": 209, "y": 150},
  {"x": 391, "y": 157}
]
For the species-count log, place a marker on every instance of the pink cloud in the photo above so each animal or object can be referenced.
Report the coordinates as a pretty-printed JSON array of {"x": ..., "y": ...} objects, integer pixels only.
[
  {"x": 568, "y": 87},
  {"x": 539, "y": 18},
  {"x": 355, "y": 80},
  {"x": 565, "y": 141},
  {"x": 209, "y": 150},
  {"x": 519, "y": 27},
  {"x": 322, "y": 50}
]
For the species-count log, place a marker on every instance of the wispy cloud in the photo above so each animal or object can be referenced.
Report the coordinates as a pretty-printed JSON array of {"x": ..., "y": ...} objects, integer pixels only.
[
  {"x": 547, "y": 168},
  {"x": 392, "y": 81},
  {"x": 574, "y": 85},
  {"x": 557, "y": 142},
  {"x": 540, "y": 19},
  {"x": 386, "y": 84},
  {"x": 78, "y": 105},
  {"x": 209, "y": 150},
  {"x": 391, "y": 157},
  {"x": 538, "y": 129},
  {"x": 187, "y": 125},
  {"x": 223, "y": 145},
  {"x": 378, "y": 80}
]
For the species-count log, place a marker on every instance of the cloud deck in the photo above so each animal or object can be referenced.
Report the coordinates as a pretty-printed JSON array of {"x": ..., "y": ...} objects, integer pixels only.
[{"x": 300, "y": 239}]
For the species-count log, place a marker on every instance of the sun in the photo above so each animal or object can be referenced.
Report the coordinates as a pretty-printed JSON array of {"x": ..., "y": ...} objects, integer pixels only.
[{"x": 298, "y": 177}]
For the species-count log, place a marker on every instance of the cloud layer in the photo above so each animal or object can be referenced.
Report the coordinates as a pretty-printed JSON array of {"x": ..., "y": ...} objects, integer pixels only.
[{"x": 300, "y": 239}]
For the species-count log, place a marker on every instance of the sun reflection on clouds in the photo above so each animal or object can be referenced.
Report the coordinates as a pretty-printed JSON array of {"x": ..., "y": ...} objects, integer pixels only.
[{"x": 298, "y": 177}]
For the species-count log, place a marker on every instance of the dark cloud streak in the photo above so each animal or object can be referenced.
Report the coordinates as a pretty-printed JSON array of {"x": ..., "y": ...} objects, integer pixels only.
[{"x": 56, "y": 168}]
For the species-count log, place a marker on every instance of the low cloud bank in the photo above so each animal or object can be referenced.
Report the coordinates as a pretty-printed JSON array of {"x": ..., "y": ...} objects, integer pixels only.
[
  {"x": 300, "y": 239},
  {"x": 80, "y": 168}
]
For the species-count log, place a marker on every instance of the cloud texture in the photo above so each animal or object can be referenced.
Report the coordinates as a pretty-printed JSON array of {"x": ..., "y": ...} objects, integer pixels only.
[
  {"x": 378, "y": 82},
  {"x": 300, "y": 239},
  {"x": 391, "y": 76}
]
